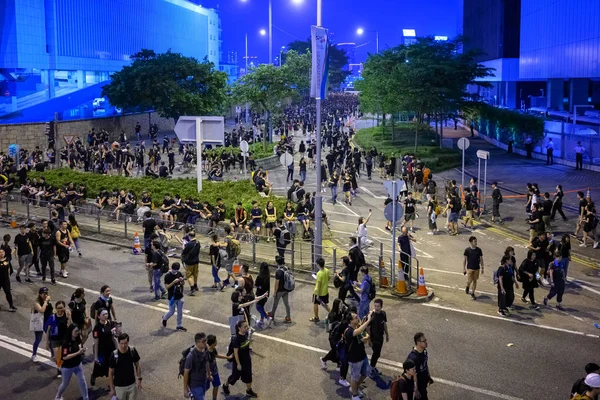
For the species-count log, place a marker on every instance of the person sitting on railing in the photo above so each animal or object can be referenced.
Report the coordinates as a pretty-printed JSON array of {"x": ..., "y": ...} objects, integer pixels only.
[
  {"x": 302, "y": 213},
  {"x": 145, "y": 204},
  {"x": 165, "y": 209},
  {"x": 240, "y": 218},
  {"x": 60, "y": 203},
  {"x": 193, "y": 208}
]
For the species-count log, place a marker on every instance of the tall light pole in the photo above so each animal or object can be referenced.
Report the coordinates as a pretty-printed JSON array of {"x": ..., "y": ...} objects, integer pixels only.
[
  {"x": 318, "y": 245},
  {"x": 360, "y": 31},
  {"x": 270, "y": 31}
]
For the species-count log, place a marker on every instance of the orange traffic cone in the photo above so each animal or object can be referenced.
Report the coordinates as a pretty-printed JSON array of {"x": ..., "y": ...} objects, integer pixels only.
[
  {"x": 401, "y": 282},
  {"x": 13, "y": 220},
  {"x": 421, "y": 288},
  {"x": 137, "y": 249},
  {"x": 384, "y": 279}
]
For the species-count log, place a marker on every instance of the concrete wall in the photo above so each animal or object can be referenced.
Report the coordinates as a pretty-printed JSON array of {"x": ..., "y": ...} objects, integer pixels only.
[{"x": 30, "y": 135}]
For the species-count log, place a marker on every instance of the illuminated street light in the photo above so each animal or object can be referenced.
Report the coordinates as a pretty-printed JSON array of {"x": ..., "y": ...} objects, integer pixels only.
[
  {"x": 360, "y": 31},
  {"x": 263, "y": 32}
]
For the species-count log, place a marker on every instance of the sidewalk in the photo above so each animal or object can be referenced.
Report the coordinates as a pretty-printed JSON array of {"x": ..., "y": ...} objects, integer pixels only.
[{"x": 513, "y": 172}]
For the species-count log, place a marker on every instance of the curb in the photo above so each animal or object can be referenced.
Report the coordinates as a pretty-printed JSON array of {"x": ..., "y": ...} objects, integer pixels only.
[{"x": 383, "y": 292}]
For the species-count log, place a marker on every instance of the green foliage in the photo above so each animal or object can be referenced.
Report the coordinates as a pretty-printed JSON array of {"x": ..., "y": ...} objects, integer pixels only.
[
  {"x": 502, "y": 124},
  {"x": 169, "y": 83},
  {"x": 404, "y": 140},
  {"x": 255, "y": 148},
  {"x": 298, "y": 67},
  {"x": 338, "y": 59},
  {"x": 428, "y": 77},
  {"x": 230, "y": 191}
]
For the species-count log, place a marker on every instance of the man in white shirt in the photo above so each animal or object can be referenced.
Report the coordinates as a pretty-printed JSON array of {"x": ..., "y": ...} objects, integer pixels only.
[
  {"x": 549, "y": 151},
  {"x": 579, "y": 149}
]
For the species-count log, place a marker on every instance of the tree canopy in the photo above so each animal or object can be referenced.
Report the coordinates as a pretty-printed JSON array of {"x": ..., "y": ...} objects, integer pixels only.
[
  {"x": 337, "y": 61},
  {"x": 169, "y": 83},
  {"x": 428, "y": 77}
]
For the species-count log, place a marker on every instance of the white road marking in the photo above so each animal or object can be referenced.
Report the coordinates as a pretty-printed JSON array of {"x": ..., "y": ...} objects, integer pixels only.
[
  {"x": 371, "y": 193},
  {"x": 166, "y": 307},
  {"x": 8, "y": 345},
  {"x": 586, "y": 282},
  {"x": 511, "y": 320},
  {"x": 389, "y": 364},
  {"x": 457, "y": 288},
  {"x": 349, "y": 210},
  {"x": 344, "y": 222}
]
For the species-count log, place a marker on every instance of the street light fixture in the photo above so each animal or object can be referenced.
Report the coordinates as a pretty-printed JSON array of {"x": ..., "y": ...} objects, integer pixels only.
[
  {"x": 361, "y": 31},
  {"x": 263, "y": 32}
]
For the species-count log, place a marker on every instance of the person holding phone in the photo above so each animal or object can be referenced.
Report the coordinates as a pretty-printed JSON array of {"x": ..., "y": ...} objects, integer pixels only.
[{"x": 72, "y": 355}]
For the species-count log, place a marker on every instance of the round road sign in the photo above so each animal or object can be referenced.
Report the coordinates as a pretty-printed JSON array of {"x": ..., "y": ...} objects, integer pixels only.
[
  {"x": 463, "y": 143},
  {"x": 244, "y": 146},
  {"x": 388, "y": 212},
  {"x": 286, "y": 159}
]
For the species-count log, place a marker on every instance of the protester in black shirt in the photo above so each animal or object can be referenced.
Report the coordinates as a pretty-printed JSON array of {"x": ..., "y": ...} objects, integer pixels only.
[
  {"x": 47, "y": 247},
  {"x": 403, "y": 388},
  {"x": 124, "y": 365},
  {"x": 5, "y": 271},
  {"x": 24, "y": 253},
  {"x": 355, "y": 338},
  {"x": 473, "y": 262},
  {"x": 79, "y": 316},
  {"x": 174, "y": 282},
  {"x": 421, "y": 359},
  {"x": 72, "y": 356},
  {"x": 242, "y": 362},
  {"x": 377, "y": 329}
]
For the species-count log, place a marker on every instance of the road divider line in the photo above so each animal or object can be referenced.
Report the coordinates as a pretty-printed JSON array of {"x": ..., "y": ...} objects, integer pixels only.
[
  {"x": 457, "y": 288},
  {"x": 389, "y": 364},
  {"x": 26, "y": 346},
  {"x": 349, "y": 210},
  {"x": 166, "y": 308},
  {"x": 371, "y": 193},
  {"x": 432, "y": 305},
  {"x": 26, "y": 353}
]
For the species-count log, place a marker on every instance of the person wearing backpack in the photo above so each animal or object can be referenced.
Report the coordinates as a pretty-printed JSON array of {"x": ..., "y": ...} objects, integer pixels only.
[
  {"x": 283, "y": 237},
  {"x": 174, "y": 282},
  {"x": 196, "y": 371},
  {"x": 470, "y": 206},
  {"x": 504, "y": 278},
  {"x": 124, "y": 366},
  {"x": 355, "y": 339},
  {"x": 403, "y": 387},
  {"x": 592, "y": 381},
  {"x": 190, "y": 256},
  {"x": 280, "y": 292},
  {"x": 366, "y": 290},
  {"x": 159, "y": 264}
]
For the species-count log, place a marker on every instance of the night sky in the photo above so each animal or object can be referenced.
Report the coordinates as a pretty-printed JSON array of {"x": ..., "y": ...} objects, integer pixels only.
[{"x": 342, "y": 18}]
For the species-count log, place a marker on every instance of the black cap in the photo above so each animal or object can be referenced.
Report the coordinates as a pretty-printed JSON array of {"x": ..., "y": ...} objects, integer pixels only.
[{"x": 43, "y": 290}]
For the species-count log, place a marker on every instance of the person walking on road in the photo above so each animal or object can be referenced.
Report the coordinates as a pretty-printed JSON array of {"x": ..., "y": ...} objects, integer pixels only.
[
  {"x": 472, "y": 266},
  {"x": 355, "y": 337},
  {"x": 506, "y": 285},
  {"x": 496, "y": 201},
  {"x": 565, "y": 251},
  {"x": 47, "y": 254},
  {"x": 190, "y": 256},
  {"x": 579, "y": 149},
  {"x": 377, "y": 329},
  {"x": 321, "y": 292},
  {"x": 63, "y": 247},
  {"x": 364, "y": 289},
  {"x": 263, "y": 285},
  {"x": 24, "y": 253},
  {"x": 280, "y": 292},
  {"x": 556, "y": 277},
  {"x": 557, "y": 203},
  {"x": 72, "y": 356},
  {"x": 213, "y": 354},
  {"x": 197, "y": 369},
  {"x": 547, "y": 212},
  {"x": 174, "y": 283},
  {"x": 421, "y": 359},
  {"x": 242, "y": 362},
  {"x": 527, "y": 273},
  {"x": 124, "y": 366},
  {"x": 56, "y": 330},
  {"x": 5, "y": 272},
  {"x": 403, "y": 387},
  {"x": 40, "y": 306},
  {"x": 104, "y": 345}
]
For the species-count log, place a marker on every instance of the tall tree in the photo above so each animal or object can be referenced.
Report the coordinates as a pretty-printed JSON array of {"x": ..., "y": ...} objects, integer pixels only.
[
  {"x": 337, "y": 61},
  {"x": 170, "y": 83},
  {"x": 298, "y": 67},
  {"x": 266, "y": 89},
  {"x": 428, "y": 77}
]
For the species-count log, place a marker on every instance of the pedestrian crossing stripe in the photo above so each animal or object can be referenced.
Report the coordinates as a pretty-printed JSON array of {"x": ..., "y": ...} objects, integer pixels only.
[{"x": 328, "y": 246}]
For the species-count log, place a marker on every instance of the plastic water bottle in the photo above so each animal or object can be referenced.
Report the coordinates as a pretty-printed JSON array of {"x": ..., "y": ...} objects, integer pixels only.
[
  {"x": 597, "y": 326},
  {"x": 326, "y": 324}
]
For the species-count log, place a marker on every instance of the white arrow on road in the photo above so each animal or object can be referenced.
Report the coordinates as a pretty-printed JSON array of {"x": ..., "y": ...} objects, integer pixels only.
[{"x": 371, "y": 193}]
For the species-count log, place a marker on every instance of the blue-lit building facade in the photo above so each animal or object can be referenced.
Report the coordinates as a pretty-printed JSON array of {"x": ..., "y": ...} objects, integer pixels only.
[
  {"x": 67, "y": 49},
  {"x": 546, "y": 53}
]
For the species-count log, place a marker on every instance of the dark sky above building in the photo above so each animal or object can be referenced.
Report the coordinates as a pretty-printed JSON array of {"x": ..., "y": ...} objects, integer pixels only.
[{"x": 292, "y": 21}]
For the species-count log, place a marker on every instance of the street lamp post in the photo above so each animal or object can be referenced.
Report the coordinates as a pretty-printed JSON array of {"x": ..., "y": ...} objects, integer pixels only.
[
  {"x": 360, "y": 31},
  {"x": 318, "y": 244},
  {"x": 270, "y": 32}
]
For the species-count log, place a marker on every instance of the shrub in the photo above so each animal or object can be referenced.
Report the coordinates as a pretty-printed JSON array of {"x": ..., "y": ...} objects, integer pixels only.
[
  {"x": 254, "y": 148},
  {"x": 230, "y": 191}
]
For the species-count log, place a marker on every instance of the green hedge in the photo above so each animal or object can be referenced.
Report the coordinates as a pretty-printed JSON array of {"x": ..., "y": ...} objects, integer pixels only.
[
  {"x": 254, "y": 148},
  {"x": 428, "y": 148},
  {"x": 230, "y": 191}
]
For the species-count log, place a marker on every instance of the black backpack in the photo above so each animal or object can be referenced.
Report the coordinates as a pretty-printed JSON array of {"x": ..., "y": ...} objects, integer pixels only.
[
  {"x": 184, "y": 355},
  {"x": 164, "y": 262},
  {"x": 372, "y": 291},
  {"x": 337, "y": 282}
]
